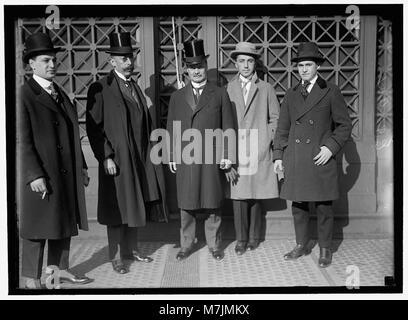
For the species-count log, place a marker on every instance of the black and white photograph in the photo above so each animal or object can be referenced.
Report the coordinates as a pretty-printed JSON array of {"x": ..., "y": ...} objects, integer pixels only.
[{"x": 203, "y": 149}]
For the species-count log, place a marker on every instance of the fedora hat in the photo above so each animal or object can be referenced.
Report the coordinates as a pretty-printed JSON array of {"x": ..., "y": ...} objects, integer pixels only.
[
  {"x": 194, "y": 52},
  {"x": 36, "y": 44},
  {"x": 247, "y": 48},
  {"x": 308, "y": 51},
  {"x": 120, "y": 43}
]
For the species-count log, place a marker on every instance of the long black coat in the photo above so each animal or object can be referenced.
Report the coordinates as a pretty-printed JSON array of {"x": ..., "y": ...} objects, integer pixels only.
[
  {"x": 303, "y": 127},
  {"x": 48, "y": 145},
  {"x": 201, "y": 186},
  {"x": 120, "y": 197}
]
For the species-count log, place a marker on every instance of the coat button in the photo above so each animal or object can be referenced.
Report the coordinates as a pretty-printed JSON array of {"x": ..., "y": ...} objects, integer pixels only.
[
  {"x": 297, "y": 122},
  {"x": 64, "y": 171},
  {"x": 59, "y": 147},
  {"x": 56, "y": 123},
  {"x": 307, "y": 140},
  {"x": 297, "y": 140},
  {"x": 311, "y": 121}
]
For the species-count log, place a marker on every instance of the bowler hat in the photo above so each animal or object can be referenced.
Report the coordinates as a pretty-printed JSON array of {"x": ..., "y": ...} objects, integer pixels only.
[
  {"x": 247, "y": 48},
  {"x": 308, "y": 51},
  {"x": 36, "y": 44},
  {"x": 120, "y": 43},
  {"x": 194, "y": 52}
]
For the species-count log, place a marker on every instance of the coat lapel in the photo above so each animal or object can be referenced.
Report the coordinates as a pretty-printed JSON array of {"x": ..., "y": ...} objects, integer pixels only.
[
  {"x": 319, "y": 90},
  {"x": 42, "y": 96},
  {"x": 205, "y": 96},
  {"x": 188, "y": 95},
  {"x": 252, "y": 92},
  {"x": 114, "y": 88},
  {"x": 238, "y": 97}
]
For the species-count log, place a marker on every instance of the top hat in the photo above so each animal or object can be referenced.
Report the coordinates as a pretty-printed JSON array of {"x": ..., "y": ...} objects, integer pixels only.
[
  {"x": 246, "y": 48},
  {"x": 36, "y": 44},
  {"x": 194, "y": 52},
  {"x": 120, "y": 43},
  {"x": 308, "y": 51}
]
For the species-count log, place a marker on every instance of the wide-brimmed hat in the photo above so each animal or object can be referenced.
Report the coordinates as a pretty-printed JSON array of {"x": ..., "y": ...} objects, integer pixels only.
[
  {"x": 120, "y": 44},
  {"x": 246, "y": 48},
  {"x": 308, "y": 51},
  {"x": 194, "y": 52},
  {"x": 36, "y": 44}
]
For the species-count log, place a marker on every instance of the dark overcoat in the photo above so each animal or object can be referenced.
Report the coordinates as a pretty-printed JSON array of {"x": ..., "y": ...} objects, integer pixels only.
[
  {"x": 261, "y": 113},
  {"x": 48, "y": 145},
  {"x": 120, "y": 197},
  {"x": 303, "y": 127},
  {"x": 201, "y": 186}
]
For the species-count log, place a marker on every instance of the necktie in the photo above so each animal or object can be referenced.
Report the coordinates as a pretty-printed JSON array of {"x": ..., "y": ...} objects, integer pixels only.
[
  {"x": 197, "y": 95},
  {"x": 129, "y": 85},
  {"x": 54, "y": 93},
  {"x": 303, "y": 90}
]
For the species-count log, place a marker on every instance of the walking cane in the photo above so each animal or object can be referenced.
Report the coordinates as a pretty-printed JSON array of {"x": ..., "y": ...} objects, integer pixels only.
[{"x": 180, "y": 84}]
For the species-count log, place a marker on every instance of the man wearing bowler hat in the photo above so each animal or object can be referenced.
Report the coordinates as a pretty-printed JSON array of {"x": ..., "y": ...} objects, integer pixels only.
[
  {"x": 198, "y": 107},
  {"x": 51, "y": 168},
  {"x": 257, "y": 108},
  {"x": 118, "y": 126},
  {"x": 313, "y": 126}
]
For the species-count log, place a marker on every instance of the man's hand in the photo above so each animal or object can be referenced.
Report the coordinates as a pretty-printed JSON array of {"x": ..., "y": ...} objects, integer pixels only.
[
  {"x": 86, "y": 177},
  {"x": 323, "y": 156},
  {"x": 39, "y": 185},
  {"x": 110, "y": 167},
  {"x": 232, "y": 175},
  {"x": 225, "y": 164},
  {"x": 277, "y": 166},
  {"x": 172, "y": 166}
]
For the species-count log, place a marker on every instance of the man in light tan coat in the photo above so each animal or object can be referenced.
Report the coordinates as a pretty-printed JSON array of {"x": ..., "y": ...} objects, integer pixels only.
[{"x": 257, "y": 110}]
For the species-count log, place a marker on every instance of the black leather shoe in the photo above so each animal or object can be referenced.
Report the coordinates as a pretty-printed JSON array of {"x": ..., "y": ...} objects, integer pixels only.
[
  {"x": 183, "y": 254},
  {"x": 217, "y": 254},
  {"x": 252, "y": 245},
  {"x": 119, "y": 267},
  {"x": 240, "y": 248},
  {"x": 34, "y": 284},
  {"x": 76, "y": 280},
  {"x": 325, "y": 258},
  {"x": 297, "y": 252}
]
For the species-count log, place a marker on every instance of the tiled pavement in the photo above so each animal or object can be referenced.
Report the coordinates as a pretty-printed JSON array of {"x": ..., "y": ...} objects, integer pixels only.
[{"x": 264, "y": 267}]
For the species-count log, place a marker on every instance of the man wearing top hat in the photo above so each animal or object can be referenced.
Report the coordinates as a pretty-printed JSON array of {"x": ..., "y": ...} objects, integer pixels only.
[
  {"x": 51, "y": 168},
  {"x": 200, "y": 106},
  {"x": 313, "y": 126},
  {"x": 257, "y": 108},
  {"x": 118, "y": 127}
]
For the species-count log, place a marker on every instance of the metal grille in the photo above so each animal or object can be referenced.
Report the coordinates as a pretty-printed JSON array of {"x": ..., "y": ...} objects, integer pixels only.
[
  {"x": 83, "y": 59},
  {"x": 186, "y": 28},
  {"x": 384, "y": 84},
  {"x": 277, "y": 37}
]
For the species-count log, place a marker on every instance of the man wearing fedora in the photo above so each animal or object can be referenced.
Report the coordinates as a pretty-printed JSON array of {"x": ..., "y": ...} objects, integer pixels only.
[
  {"x": 200, "y": 106},
  {"x": 257, "y": 108},
  {"x": 118, "y": 126},
  {"x": 313, "y": 126},
  {"x": 51, "y": 168}
]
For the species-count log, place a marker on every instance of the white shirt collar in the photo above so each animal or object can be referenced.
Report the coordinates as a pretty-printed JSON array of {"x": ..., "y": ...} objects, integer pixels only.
[
  {"x": 312, "y": 82},
  {"x": 198, "y": 85},
  {"x": 44, "y": 83},
  {"x": 245, "y": 80},
  {"x": 122, "y": 76}
]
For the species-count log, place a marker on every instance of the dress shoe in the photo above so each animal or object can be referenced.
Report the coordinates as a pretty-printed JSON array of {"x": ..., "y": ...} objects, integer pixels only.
[
  {"x": 252, "y": 245},
  {"x": 33, "y": 284},
  {"x": 183, "y": 254},
  {"x": 119, "y": 267},
  {"x": 240, "y": 248},
  {"x": 297, "y": 252},
  {"x": 76, "y": 280},
  {"x": 217, "y": 254},
  {"x": 325, "y": 258}
]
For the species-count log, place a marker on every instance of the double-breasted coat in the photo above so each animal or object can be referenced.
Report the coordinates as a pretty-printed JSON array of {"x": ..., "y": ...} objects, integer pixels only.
[
  {"x": 260, "y": 113},
  {"x": 201, "y": 186},
  {"x": 121, "y": 198},
  {"x": 304, "y": 126},
  {"x": 48, "y": 146}
]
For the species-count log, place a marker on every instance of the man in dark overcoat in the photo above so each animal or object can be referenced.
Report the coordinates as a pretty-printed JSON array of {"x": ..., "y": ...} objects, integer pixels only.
[
  {"x": 118, "y": 127},
  {"x": 51, "y": 167},
  {"x": 198, "y": 107},
  {"x": 313, "y": 126}
]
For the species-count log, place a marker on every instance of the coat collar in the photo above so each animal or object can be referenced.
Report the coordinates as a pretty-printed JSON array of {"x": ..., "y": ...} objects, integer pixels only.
[
  {"x": 204, "y": 98},
  {"x": 317, "y": 93},
  {"x": 236, "y": 86}
]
